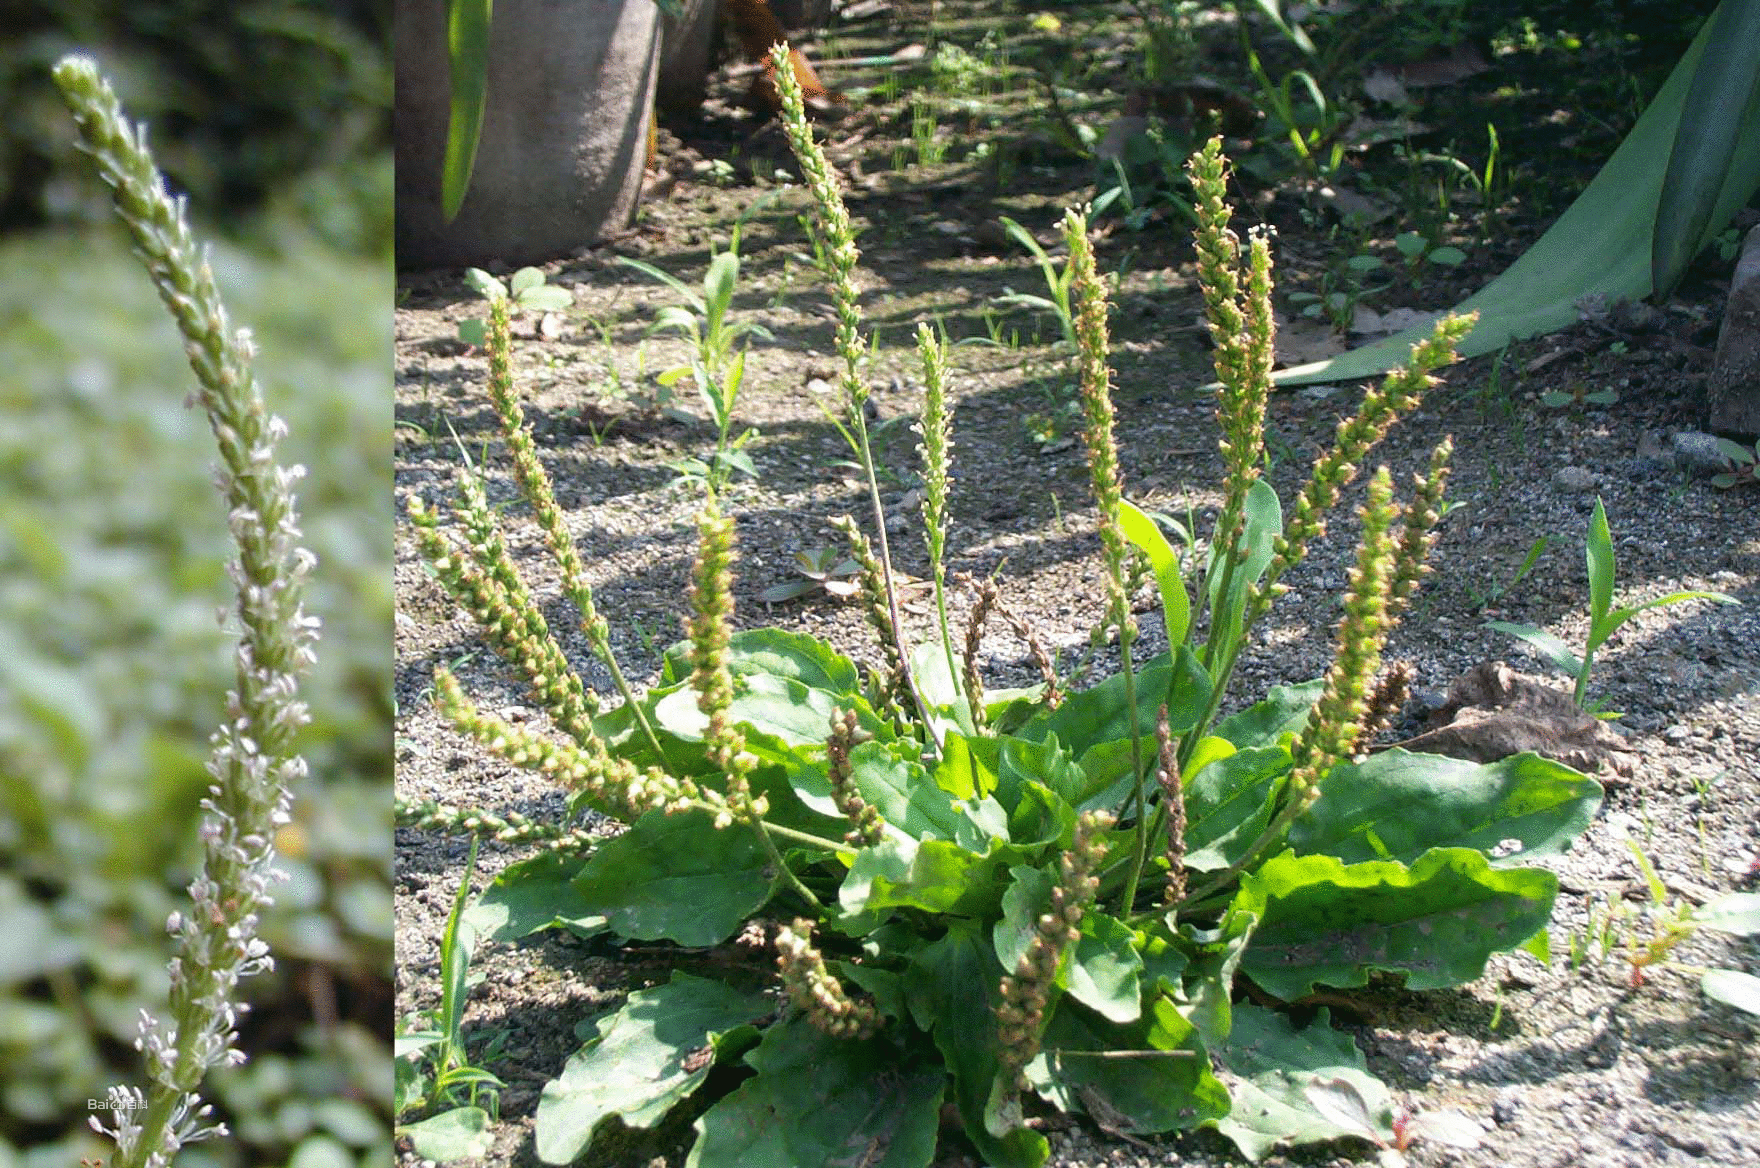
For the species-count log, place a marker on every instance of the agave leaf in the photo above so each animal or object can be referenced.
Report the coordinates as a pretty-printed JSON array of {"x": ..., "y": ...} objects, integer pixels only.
[
  {"x": 467, "y": 48},
  {"x": 1600, "y": 245},
  {"x": 1720, "y": 109}
]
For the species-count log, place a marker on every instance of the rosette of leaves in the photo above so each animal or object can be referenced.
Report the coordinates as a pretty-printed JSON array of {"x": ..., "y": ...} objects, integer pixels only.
[{"x": 968, "y": 890}]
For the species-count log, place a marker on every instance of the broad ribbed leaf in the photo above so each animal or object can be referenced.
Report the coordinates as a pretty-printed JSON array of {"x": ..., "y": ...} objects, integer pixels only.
[
  {"x": 1396, "y": 806},
  {"x": 1437, "y": 922},
  {"x": 1269, "y": 1065},
  {"x": 951, "y": 989},
  {"x": 676, "y": 878},
  {"x": 1229, "y": 804},
  {"x": 531, "y": 895},
  {"x": 1100, "y": 714},
  {"x": 823, "y": 1102},
  {"x": 932, "y": 875},
  {"x": 1176, "y": 606},
  {"x": 642, "y": 1060},
  {"x": 1284, "y": 711},
  {"x": 779, "y": 653},
  {"x": 1165, "y": 1085},
  {"x": 1101, "y": 972}
]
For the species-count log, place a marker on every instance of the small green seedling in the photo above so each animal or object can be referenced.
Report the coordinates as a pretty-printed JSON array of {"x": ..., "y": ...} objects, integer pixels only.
[
  {"x": 1744, "y": 465},
  {"x": 1604, "y": 619},
  {"x": 825, "y": 569},
  {"x": 468, "y": 1094},
  {"x": 1736, "y": 913},
  {"x": 1496, "y": 592},
  {"x": 1417, "y": 252},
  {"x": 1057, "y": 282},
  {"x": 717, "y": 362},
  {"x": 526, "y": 291}
]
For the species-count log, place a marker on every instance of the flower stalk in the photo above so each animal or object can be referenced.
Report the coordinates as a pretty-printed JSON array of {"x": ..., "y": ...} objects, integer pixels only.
[
  {"x": 1095, "y": 387},
  {"x": 534, "y": 484},
  {"x": 815, "y": 990},
  {"x": 1338, "y": 717},
  {"x": 253, "y": 765},
  {"x": 937, "y": 446},
  {"x": 1026, "y": 992},
  {"x": 841, "y": 256}
]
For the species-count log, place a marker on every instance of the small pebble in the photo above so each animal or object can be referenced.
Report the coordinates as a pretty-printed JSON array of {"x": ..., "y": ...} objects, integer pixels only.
[
  {"x": 1698, "y": 452},
  {"x": 1575, "y": 479},
  {"x": 1675, "y": 734},
  {"x": 1505, "y": 1106}
]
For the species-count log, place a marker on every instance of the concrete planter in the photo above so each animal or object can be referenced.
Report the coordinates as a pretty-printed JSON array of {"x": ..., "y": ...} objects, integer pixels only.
[{"x": 565, "y": 131}]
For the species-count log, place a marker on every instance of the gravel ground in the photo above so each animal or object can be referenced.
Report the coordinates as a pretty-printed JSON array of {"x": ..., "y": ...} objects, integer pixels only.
[{"x": 1562, "y": 1065}]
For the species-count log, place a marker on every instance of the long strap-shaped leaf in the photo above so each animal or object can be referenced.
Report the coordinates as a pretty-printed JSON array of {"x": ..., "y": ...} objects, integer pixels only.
[
  {"x": 1602, "y": 243},
  {"x": 467, "y": 54},
  {"x": 1722, "y": 104}
]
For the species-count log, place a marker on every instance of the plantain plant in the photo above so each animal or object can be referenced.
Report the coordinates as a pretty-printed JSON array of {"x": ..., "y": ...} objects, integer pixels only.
[{"x": 1010, "y": 900}]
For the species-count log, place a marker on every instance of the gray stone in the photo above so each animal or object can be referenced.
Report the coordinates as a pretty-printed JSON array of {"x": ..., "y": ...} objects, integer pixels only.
[
  {"x": 1698, "y": 452},
  {"x": 1575, "y": 479},
  {"x": 1734, "y": 385}
]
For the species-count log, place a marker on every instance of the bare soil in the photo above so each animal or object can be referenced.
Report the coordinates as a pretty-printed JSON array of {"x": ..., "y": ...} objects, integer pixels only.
[{"x": 1564, "y": 1064}]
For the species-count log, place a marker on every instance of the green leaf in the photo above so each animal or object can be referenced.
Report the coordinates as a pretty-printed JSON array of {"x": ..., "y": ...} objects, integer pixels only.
[
  {"x": 474, "y": 332},
  {"x": 1733, "y": 912},
  {"x": 1215, "y": 955},
  {"x": 1323, "y": 922},
  {"x": 780, "y": 653},
  {"x": 467, "y": 56},
  {"x": 1722, "y": 105},
  {"x": 458, "y": 1134},
  {"x": 1101, "y": 972},
  {"x": 781, "y": 707},
  {"x": 1021, "y": 761},
  {"x": 968, "y": 766},
  {"x": 1598, "y": 553},
  {"x": 1269, "y": 1064},
  {"x": 676, "y": 877},
  {"x": 1397, "y": 805},
  {"x": 1157, "y": 1090},
  {"x": 643, "y": 1060},
  {"x": 457, "y": 942},
  {"x": 1733, "y": 988},
  {"x": 484, "y": 285},
  {"x": 899, "y": 790},
  {"x": 1176, "y": 606},
  {"x": 718, "y": 283},
  {"x": 1284, "y": 712},
  {"x": 1099, "y": 714},
  {"x": 525, "y": 280},
  {"x": 684, "y": 291},
  {"x": 1557, "y": 653},
  {"x": 1105, "y": 968},
  {"x": 951, "y": 988},
  {"x": 1602, "y": 244},
  {"x": 1264, "y": 523},
  {"x": 1229, "y": 803},
  {"x": 531, "y": 895},
  {"x": 819, "y": 1102},
  {"x": 547, "y": 298},
  {"x": 932, "y": 875}
]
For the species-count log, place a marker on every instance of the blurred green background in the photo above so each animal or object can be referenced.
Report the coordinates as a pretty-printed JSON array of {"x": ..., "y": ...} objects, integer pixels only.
[{"x": 274, "y": 118}]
